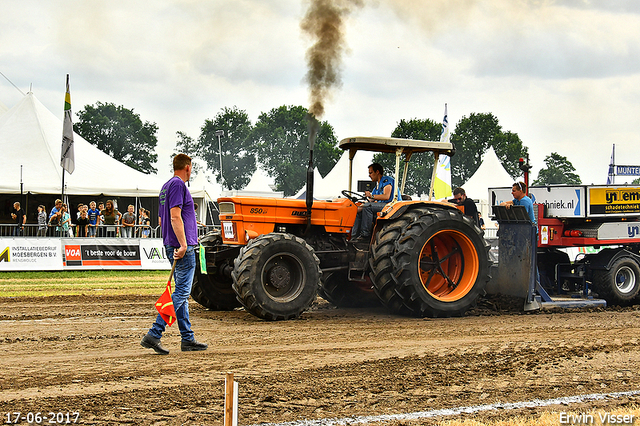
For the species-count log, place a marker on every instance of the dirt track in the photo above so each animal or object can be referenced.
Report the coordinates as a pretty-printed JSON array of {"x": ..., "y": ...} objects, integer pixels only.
[{"x": 66, "y": 354}]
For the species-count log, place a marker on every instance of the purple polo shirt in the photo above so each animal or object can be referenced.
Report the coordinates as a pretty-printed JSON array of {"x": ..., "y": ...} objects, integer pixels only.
[{"x": 175, "y": 193}]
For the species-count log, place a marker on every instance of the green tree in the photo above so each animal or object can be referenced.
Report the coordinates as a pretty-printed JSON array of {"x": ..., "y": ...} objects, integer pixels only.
[
  {"x": 120, "y": 133},
  {"x": 281, "y": 137},
  {"x": 187, "y": 145},
  {"x": 472, "y": 136},
  {"x": 238, "y": 154},
  {"x": 420, "y": 165},
  {"x": 558, "y": 170}
]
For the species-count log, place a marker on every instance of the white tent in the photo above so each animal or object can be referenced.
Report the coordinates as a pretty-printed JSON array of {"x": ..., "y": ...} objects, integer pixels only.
[
  {"x": 338, "y": 178},
  {"x": 490, "y": 174},
  {"x": 259, "y": 182},
  {"x": 31, "y": 138},
  {"x": 3, "y": 108}
]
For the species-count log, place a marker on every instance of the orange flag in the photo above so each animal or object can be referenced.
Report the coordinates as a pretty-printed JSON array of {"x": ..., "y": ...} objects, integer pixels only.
[{"x": 164, "y": 305}]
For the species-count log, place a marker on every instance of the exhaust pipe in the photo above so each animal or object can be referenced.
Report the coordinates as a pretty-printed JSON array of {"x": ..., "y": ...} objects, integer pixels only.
[{"x": 313, "y": 132}]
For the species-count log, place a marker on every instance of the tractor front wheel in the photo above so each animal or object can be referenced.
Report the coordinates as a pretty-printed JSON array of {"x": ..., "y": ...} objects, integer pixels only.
[{"x": 276, "y": 276}]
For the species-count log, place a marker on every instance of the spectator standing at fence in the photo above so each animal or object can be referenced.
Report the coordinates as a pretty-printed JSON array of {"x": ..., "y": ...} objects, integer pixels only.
[
  {"x": 64, "y": 226},
  {"x": 180, "y": 238},
  {"x": 100, "y": 226},
  {"x": 111, "y": 218},
  {"x": 195, "y": 207},
  {"x": 128, "y": 222},
  {"x": 18, "y": 215},
  {"x": 42, "y": 221},
  {"x": 56, "y": 210},
  {"x": 145, "y": 223},
  {"x": 83, "y": 224},
  {"x": 76, "y": 215},
  {"x": 93, "y": 214}
]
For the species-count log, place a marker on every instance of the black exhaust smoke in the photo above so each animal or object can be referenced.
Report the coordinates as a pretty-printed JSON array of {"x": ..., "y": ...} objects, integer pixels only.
[{"x": 324, "y": 23}]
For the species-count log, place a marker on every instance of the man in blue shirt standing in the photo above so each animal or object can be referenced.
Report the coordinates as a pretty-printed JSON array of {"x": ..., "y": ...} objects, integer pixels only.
[
  {"x": 180, "y": 237},
  {"x": 520, "y": 198},
  {"x": 381, "y": 194}
]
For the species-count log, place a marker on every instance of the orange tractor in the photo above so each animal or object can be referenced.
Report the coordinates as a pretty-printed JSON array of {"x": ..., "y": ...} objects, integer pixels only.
[{"x": 274, "y": 256}]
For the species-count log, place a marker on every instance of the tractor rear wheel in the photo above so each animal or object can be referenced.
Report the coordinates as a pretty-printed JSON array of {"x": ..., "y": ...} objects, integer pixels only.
[
  {"x": 336, "y": 289},
  {"x": 620, "y": 284},
  {"x": 214, "y": 290},
  {"x": 430, "y": 262},
  {"x": 276, "y": 276}
]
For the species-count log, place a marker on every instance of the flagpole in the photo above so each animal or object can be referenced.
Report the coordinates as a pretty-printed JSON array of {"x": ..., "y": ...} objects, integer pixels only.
[
  {"x": 62, "y": 196},
  {"x": 67, "y": 161}
]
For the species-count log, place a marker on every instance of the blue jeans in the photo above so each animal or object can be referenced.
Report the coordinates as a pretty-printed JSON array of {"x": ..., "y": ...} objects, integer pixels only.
[
  {"x": 364, "y": 219},
  {"x": 127, "y": 232},
  {"x": 183, "y": 278}
]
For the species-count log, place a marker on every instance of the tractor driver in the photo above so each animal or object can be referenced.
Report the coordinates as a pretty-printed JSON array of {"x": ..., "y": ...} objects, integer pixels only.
[{"x": 381, "y": 194}]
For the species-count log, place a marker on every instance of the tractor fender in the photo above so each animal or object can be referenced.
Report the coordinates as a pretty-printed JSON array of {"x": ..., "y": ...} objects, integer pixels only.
[
  {"x": 397, "y": 209},
  {"x": 606, "y": 257}
]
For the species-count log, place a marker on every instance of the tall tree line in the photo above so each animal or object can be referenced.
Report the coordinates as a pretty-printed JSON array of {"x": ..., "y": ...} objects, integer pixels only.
[{"x": 278, "y": 143}]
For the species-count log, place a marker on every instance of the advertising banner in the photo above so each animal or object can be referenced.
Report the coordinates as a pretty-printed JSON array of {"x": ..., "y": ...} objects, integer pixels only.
[
  {"x": 30, "y": 254},
  {"x": 55, "y": 254},
  {"x": 561, "y": 201},
  {"x": 608, "y": 200},
  {"x": 627, "y": 170},
  {"x": 153, "y": 254},
  {"x": 92, "y": 253}
]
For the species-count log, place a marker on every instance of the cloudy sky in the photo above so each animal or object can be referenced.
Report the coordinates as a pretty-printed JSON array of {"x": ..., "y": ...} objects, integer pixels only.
[{"x": 564, "y": 75}]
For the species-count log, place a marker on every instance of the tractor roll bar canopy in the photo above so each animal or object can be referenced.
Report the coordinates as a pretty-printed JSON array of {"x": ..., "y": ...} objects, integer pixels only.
[
  {"x": 398, "y": 147},
  {"x": 382, "y": 144}
]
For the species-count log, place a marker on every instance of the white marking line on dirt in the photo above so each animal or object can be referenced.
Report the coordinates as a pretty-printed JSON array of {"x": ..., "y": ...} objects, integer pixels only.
[{"x": 455, "y": 411}]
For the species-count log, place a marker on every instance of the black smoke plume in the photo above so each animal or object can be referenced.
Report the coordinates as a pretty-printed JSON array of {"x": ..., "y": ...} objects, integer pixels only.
[{"x": 324, "y": 23}]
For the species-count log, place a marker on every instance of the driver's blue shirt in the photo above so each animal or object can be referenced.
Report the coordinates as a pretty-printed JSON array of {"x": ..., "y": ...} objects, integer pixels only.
[{"x": 379, "y": 189}]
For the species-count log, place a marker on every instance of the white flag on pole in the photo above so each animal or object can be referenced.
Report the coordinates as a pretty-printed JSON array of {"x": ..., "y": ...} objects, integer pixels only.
[{"x": 67, "y": 159}]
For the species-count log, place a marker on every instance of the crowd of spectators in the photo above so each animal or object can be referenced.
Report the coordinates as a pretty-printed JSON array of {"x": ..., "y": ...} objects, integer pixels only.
[{"x": 93, "y": 220}]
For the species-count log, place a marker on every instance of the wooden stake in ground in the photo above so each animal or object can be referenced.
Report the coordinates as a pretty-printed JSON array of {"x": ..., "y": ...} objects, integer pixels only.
[{"x": 230, "y": 401}]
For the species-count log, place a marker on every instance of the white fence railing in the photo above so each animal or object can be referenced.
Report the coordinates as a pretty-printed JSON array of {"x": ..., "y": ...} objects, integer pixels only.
[{"x": 101, "y": 231}]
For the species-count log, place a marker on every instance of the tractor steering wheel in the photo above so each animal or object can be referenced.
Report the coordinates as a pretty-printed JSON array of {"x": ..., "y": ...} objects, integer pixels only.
[{"x": 354, "y": 196}]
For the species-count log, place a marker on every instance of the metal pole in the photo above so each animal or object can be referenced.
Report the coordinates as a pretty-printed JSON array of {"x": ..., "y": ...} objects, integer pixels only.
[{"x": 219, "y": 134}]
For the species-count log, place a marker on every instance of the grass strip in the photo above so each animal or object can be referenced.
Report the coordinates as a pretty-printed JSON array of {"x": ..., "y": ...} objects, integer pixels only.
[{"x": 65, "y": 283}]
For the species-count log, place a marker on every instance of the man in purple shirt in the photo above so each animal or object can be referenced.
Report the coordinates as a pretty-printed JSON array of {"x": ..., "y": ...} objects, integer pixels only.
[{"x": 180, "y": 237}]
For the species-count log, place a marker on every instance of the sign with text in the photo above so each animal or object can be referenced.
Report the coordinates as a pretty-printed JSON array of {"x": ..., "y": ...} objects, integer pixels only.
[
  {"x": 627, "y": 170},
  {"x": 55, "y": 254},
  {"x": 560, "y": 201},
  {"x": 153, "y": 254},
  {"x": 608, "y": 200},
  {"x": 30, "y": 254},
  {"x": 113, "y": 255}
]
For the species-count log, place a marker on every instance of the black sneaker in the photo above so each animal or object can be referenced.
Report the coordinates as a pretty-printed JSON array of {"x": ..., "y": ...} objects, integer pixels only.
[
  {"x": 151, "y": 342},
  {"x": 193, "y": 346}
]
